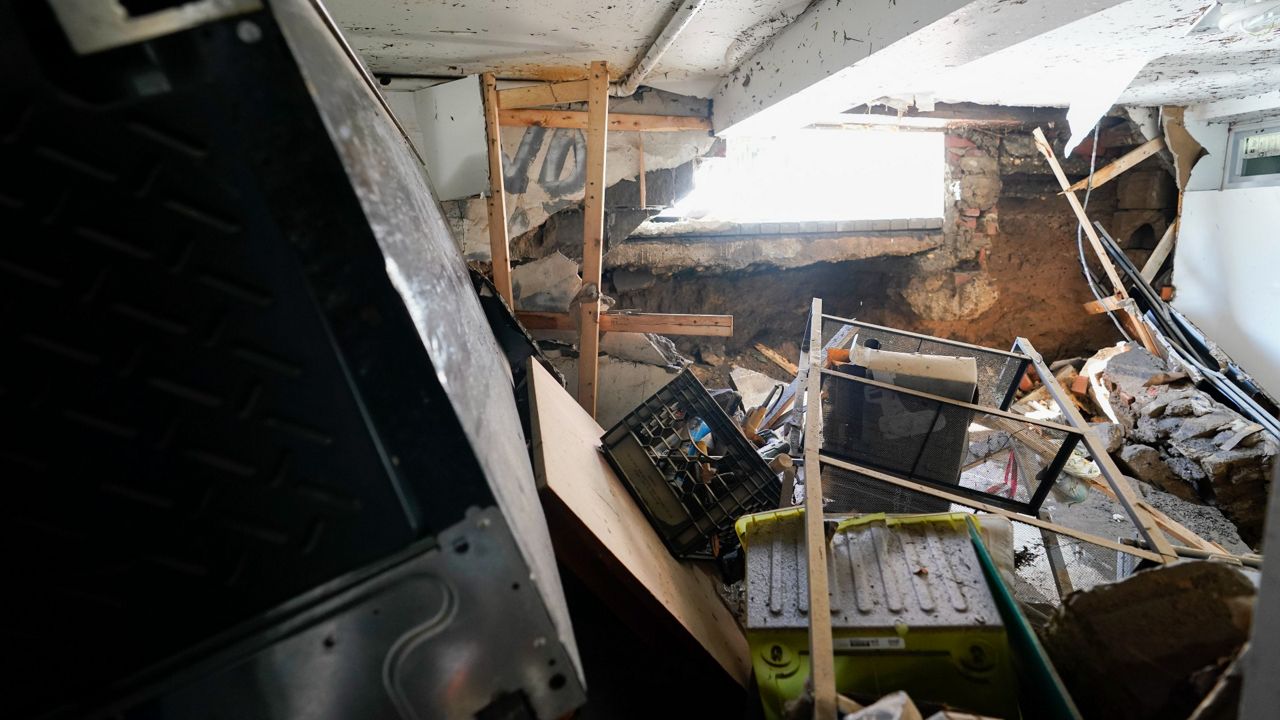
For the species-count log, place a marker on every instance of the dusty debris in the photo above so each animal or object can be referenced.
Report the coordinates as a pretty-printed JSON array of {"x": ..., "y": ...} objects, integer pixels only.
[
  {"x": 548, "y": 284},
  {"x": 1180, "y": 440},
  {"x": 1114, "y": 651},
  {"x": 754, "y": 386}
]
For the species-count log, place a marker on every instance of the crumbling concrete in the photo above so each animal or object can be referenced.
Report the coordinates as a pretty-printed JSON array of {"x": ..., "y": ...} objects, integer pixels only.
[
  {"x": 548, "y": 284},
  {"x": 620, "y": 385},
  {"x": 753, "y": 386},
  {"x": 668, "y": 255},
  {"x": 1129, "y": 649}
]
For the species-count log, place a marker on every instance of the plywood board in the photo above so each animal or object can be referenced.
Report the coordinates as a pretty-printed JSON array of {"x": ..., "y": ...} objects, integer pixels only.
[{"x": 580, "y": 487}]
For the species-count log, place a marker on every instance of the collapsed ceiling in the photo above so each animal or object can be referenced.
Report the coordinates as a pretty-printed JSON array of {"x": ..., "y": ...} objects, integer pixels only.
[
  {"x": 555, "y": 39},
  {"x": 987, "y": 55}
]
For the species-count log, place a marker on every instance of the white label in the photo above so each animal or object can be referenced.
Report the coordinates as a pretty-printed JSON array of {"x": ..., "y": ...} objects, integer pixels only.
[{"x": 870, "y": 643}]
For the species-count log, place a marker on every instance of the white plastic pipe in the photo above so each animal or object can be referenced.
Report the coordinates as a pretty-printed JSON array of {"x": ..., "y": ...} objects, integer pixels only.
[{"x": 676, "y": 25}]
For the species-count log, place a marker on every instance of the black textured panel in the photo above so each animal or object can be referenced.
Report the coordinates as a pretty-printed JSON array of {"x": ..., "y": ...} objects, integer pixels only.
[{"x": 213, "y": 399}]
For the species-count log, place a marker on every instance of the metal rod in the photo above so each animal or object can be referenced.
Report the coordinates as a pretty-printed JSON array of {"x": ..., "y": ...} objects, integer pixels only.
[
  {"x": 930, "y": 338},
  {"x": 956, "y": 403}
]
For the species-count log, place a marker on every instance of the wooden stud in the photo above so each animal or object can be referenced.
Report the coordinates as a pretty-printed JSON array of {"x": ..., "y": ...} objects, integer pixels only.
[
  {"x": 499, "y": 249},
  {"x": 661, "y": 323},
  {"x": 1047, "y": 150},
  {"x": 821, "y": 642},
  {"x": 543, "y": 94},
  {"x": 618, "y": 122},
  {"x": 593, "y": 235},
  {"x": 1126, "y": 161},
  {"x": 1124, "y": 494},
  {"x": 994, "y": 509}
]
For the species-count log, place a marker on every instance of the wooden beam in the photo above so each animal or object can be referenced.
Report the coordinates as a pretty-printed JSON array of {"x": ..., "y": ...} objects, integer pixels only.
[
  {"x": 822, "y": 659},
  {"x": 1105, "y": 305},
  {"x": 499, "y": 247},
  {"x": 1161, "y": 252},
  {"x": 1047, "y": 150},
  {"x": 776, "y": 358},
  {"x": 994, "y": 509},
  {"x": 1126, "y": 161},
  {"x": 543, "y": 94},
  {"x": 618, "y": 122},
  {"x": 661, "y": 323},
  {"x": 1124, "y": 494},
  {"x": 593, "y": 235}
]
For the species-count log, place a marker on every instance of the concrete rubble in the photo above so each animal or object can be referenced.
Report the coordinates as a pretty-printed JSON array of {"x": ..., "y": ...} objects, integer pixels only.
[{"x": 1182, "y": 442}]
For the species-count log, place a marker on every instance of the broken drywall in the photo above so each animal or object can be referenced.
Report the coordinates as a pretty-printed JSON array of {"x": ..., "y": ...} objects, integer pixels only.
[
  {"x": 547, "y": 284},
  {"x": 620, "y": 385}
]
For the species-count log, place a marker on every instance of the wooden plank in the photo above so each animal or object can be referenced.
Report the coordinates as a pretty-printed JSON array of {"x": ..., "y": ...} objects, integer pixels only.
[
  {"x": 1047, "y": 150},
  {"x": 776, "y": 358},
  {"x": 618, "y": 122},
  {"x": 543, "y": 94},
  {"x": 593, "y": 235},
  {"x": 580, "y": 488},
  {"x": 995, "y": 510},
  {"x": 499, "y": 247},
  {"x": 1106, "y": 304},
  {"x": 822, "y": 660},
  {"x": 1124, "y": 494},
  {"x": 1163, "y": 248},
  {"x": 1126, "y": 161},
  {"x": 662, "y": 323}
]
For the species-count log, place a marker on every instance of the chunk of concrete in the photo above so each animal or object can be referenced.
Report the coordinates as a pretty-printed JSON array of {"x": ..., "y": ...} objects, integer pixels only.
[
  {"x": 548, "y": 284},
  {"x": 1145, "y": 463},
  {"x": 1129, "y": 649},
  {"x": 754, "y": 387},
  {"x": 642, "y": 348},
  {"x": 620, "y": 385}
]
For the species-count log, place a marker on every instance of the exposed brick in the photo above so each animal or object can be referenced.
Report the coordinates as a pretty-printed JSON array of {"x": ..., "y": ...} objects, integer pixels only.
[
  {"x": 970, "y": 212},
  {"x": 956, "y": 141}
]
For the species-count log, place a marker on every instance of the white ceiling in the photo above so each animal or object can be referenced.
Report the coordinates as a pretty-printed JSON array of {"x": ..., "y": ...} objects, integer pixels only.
[
  {"x": 556, "y": 39},
  {"x": 1178, "y": 67}
]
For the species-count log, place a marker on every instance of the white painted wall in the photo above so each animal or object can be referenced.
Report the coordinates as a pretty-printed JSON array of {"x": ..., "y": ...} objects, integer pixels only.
[{"x": 1227, "y": 260}]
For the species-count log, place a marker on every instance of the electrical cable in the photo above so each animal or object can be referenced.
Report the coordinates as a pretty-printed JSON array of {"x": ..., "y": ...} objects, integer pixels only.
[{"x": 1084, "y": 265}]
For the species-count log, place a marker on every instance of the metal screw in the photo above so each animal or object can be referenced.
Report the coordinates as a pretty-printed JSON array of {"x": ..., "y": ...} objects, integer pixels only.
[{"x": 248, "y": 32}]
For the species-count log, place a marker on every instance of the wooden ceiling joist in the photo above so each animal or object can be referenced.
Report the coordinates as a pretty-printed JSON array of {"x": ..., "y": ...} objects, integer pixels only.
[
  {"x": 543, "y": 94},
  {"x": 662, "y": 323}
]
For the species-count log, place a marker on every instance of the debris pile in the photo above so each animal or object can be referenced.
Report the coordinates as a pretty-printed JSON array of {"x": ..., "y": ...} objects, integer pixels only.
[
  {"x": 1112, "y": 646},
  {"x": 1172, "y": 437}
]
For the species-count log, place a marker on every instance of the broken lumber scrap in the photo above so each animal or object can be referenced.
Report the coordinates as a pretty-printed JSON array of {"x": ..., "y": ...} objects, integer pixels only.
[
  {"x": 593, "y": 235},
  {"x": 1163, "y": 248},
  {"x": 577, "y": 120},
  {"x": 543, "y": 94},
  {"x": 603, "y": 537},
  {"x": 661, "y": 323},
  {"x": 1128, "y": 160},
  {"x": 496, "y": 204},
  {"x": 1042, "y": 144},
  {"x": 776, "y": 358},
  {"x": 993, "y": 509}
]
